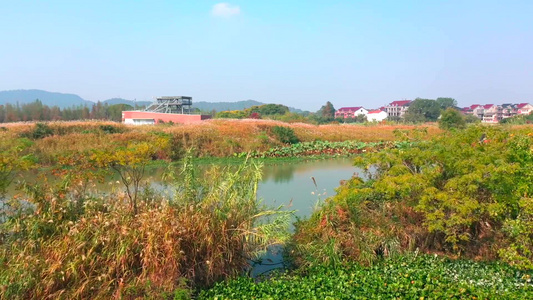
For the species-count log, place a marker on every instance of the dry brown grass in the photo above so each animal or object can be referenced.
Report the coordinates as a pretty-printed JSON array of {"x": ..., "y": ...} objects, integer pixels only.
[
  {"x": 211, "y": 138},
  {"x": 208, "y": 232}
]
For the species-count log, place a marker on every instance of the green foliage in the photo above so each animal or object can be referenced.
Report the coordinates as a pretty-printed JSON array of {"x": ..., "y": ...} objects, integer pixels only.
[
  {"x": 130, "y": 163},
  {"x": 320, "y": 148},
  {"x": 325, "y": 114},
  {"x": 461, "y": 193},
  {"x": 285, "y": 135},
  {"x": 114, "y": 112},
  {"x": 423, "y": 110},
  {"x": 256, "y": 112},
  {"x": 445, "y": 103},
  {"x": 110, "y": 129},
  {"x": 234, "y": 114},
  {"x": 13, "y": 159},
  {"x": 519, "y": 119},
  {"x": 40, "y": 131},
  {"x": 451, "y": 118},
  {"x": 269, "y": 109},
  {"x": 407, "y": 277},
  {"x": 471, "y": 119},
  {"x": 327, "y": 111}
]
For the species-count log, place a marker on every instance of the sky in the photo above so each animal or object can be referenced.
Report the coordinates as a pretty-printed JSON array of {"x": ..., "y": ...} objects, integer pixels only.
[{"x": 298, "y": 53}]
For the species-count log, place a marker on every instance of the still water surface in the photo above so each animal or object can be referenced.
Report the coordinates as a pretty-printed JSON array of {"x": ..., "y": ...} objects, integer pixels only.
[
  {"x": 292, "y": 182},
  {"x": 286, "y": 183}
]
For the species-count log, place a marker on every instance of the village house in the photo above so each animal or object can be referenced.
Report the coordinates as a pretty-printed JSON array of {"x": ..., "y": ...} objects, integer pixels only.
[
  {"x": 376, "y": 116},
  {"x": 492, "y": 113},
  {"x": 397, "y": 109},
  {"x": 350, "y": 112},
  {"x": 524, "y": 108},
  {"x": 508, "y": 110}
]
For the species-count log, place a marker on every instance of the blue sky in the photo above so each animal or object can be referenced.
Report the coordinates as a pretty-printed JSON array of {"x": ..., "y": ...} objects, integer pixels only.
[{"x": 300, "y": 53}]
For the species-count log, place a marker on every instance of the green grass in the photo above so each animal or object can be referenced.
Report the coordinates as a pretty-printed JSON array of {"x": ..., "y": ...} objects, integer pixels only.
[{"x": 403, "y": 277}]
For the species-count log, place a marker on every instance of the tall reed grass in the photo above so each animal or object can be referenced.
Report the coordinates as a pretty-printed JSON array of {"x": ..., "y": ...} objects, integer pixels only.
[{"x": 51, "y": 248}]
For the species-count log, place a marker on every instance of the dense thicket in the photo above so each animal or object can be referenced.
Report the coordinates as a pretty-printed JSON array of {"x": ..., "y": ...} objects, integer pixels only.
[{"x": 465, "y": 193}]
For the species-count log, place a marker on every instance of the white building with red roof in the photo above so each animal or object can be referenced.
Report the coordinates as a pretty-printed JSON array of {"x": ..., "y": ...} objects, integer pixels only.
[
  {"x": 396, "y": 109},
  {"x": 524, "y": 108},
  {"x": 350, "y": 112},
  {"x": 376, "y": 115}
]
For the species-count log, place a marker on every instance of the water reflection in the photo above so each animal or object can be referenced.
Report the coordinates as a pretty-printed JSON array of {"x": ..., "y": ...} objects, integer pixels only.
[
  {"x": 292, "y": 182},
  {"x": 288, "y": 183}
]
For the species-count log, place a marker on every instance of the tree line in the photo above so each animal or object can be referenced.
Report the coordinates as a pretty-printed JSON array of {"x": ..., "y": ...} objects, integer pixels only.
[{"x": 37, "y": 111}]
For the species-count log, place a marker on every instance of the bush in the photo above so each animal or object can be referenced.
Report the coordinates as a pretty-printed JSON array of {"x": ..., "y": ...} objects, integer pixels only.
[
  {"x": 40, "y": 131},
  {"x": 285, "y": 135},
  {"x": 462, "y": 193},
  {"x": 109, "y": 129},
  {"x": 451, "y": 118}
]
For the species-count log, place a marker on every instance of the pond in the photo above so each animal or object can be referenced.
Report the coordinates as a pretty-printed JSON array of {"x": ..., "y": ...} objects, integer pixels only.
[
  {"x": 298, "y": 185},
  {"x": 294, "y": 183}
]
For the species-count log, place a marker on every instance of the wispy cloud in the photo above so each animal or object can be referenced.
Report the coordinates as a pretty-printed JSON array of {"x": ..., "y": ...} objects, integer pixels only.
[{"x": 225, "y": 10}]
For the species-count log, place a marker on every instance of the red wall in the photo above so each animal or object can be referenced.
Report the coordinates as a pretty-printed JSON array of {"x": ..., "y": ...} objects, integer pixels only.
[{"x": 176, "y": 118}]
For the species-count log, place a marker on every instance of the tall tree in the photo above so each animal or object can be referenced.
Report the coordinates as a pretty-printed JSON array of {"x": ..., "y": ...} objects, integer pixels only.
[
  {"x": 327, "y": 111},
  {"x": 423, "y": 110},
  {"x": 446, "y": 102},
  {"x": 451, "y": 118},
  {"x": 2, "y": 114}
]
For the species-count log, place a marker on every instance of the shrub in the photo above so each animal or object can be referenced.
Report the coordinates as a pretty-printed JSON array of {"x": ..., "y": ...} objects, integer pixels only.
[
  {"x": 285, "y": 135},
  {"x": 454, "y": 195},
  {"x": 109, "y": 129},
  {"x": 451, "y": 118},
  {"x": 40, "y": 131}
]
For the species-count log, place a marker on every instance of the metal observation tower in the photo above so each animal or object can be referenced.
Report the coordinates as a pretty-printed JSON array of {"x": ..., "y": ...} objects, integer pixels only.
[{"x": 171, "y": 105}]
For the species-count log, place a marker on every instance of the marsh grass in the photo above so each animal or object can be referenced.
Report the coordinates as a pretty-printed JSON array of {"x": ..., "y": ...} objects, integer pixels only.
[
  {"x": 54, "y": 248},
  {"x": 211, "y": 138}
]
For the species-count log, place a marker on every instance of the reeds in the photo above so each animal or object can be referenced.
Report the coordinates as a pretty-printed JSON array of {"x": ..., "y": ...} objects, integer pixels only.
[{"x": 52, "y": 249}]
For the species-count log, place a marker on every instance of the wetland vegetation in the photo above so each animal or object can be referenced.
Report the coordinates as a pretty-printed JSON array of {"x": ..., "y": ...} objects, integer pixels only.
[{"x": 431, "y": 214}]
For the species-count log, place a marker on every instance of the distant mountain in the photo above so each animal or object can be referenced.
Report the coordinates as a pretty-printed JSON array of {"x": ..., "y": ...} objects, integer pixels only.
[
  {"x": 47, "y": 98},
  {"x": 68, "y": 100},
  {"x": 113, "y": 101}
]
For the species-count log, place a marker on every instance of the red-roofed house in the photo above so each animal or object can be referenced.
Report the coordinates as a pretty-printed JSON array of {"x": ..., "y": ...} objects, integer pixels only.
[
  {"x": 524, "y": 108},
  {"x": 475, "y": 109},
  {"x": 492, "y": 113},
  {"x": 350, "y": 112},
  {"x": 376, "y": 116},
  {"x": 397, "y": 109}
]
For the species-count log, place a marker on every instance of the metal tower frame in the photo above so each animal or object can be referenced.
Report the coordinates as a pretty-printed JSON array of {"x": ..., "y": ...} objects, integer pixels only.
[{"x": 171, "y": 105}]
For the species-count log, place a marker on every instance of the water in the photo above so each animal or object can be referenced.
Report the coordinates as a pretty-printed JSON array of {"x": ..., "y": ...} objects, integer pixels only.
[
  {"x": 291, "y": 184},
  {"x": 287, "y": 183}
]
